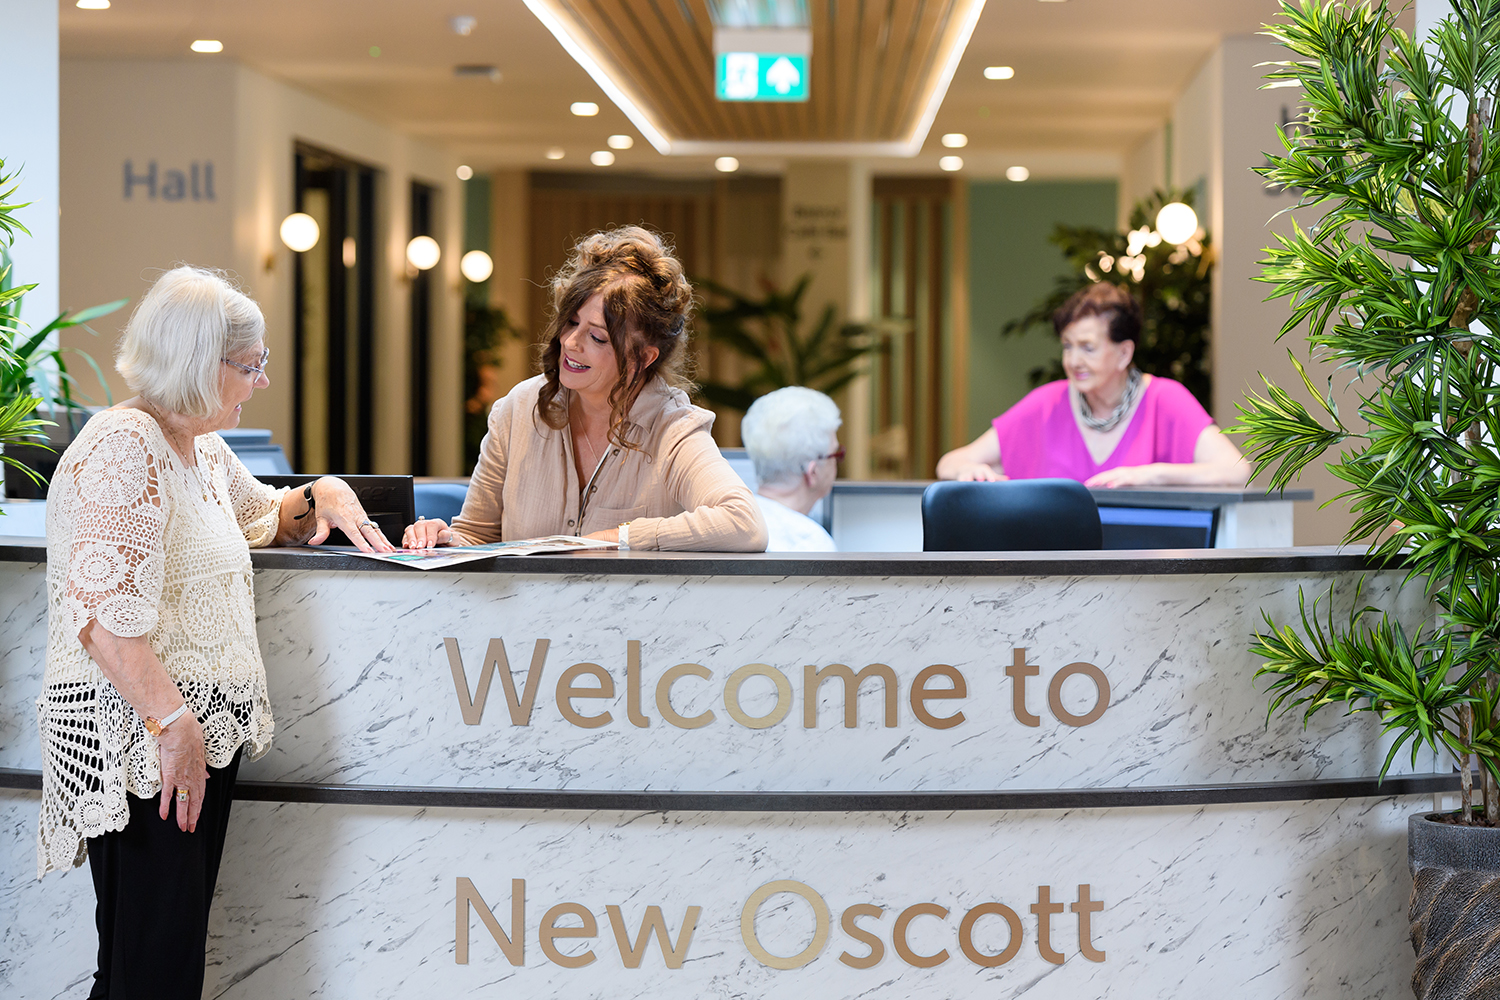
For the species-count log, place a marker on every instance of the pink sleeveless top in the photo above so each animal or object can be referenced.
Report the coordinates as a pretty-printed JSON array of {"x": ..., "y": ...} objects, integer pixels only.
[{"x": 1039, "y": 438}]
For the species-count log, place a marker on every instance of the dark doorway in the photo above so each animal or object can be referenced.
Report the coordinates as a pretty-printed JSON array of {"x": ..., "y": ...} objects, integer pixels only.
[
  {"x": 423, "y": 212},
  {"x": 333, "y": 330}
]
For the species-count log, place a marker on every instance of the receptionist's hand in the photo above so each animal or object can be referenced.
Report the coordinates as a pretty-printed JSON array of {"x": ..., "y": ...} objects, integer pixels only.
[
  {"x": 1132, "y": 475},
  {"x": 980, "y": 473},
  {"x": 427, "y": 533}
]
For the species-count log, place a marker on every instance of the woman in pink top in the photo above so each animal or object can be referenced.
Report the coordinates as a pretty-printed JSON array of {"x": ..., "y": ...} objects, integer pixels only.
[{"x": 1106, "y": 424}]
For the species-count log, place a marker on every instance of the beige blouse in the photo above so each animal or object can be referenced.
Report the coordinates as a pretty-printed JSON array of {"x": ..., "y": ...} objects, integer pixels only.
[
  {"x": 676, "y": 492},
  {"x": 147, "y": 546}
]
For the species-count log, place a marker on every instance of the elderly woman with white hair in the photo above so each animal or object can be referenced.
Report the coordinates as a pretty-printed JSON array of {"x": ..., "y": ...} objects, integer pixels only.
[
  {"x": 154, "y": 685},
  {"x": 792, "y": 437}
]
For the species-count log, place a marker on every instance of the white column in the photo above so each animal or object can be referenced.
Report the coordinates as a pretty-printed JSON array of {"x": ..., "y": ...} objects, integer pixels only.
[
  {"x": 29, "y": 142},
  {"x": 826, "y": 232}
]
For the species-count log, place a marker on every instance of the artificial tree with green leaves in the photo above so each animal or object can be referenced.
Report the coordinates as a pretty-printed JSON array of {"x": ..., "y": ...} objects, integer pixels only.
[
  {"x": 1171, "y": 282},
  {"x": 1398, "y": 286},
  {"x": 18, "y": 422},
  {"x": 767, "y": 332}
]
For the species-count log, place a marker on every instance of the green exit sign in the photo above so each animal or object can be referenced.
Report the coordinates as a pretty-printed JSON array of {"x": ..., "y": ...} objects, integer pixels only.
[{"x": 760, "y": 76}]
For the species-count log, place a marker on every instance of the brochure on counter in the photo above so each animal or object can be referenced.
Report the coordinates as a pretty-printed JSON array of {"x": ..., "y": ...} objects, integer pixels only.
[{"x": 453, "y": 555}]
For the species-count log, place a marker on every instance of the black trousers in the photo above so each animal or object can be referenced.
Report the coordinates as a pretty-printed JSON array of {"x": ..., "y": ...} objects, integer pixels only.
[{"x": 155, "y": 884}]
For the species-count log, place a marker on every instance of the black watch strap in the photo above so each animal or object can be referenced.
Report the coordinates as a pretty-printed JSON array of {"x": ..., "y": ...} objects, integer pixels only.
[{"x": 306, "y": 495}]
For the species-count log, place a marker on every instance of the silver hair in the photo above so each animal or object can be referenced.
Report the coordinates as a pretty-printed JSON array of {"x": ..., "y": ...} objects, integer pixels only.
[
  {"x": 173, "y": 346},
  {"x": 786, "y": 429}
]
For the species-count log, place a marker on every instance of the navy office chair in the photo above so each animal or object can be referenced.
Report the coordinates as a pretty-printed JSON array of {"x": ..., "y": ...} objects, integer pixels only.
[
  {"x": 443, "y": 500},
  {"x": 1020, "y": 515}
]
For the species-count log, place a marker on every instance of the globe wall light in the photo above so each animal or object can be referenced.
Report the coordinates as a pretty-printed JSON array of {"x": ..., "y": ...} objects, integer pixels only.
[
  {"x": 476, "y": 266},
  {"x": 423, "y": 252},
  {"x": 1177, "y": 222},
  {"x": 299, "y": 231}
]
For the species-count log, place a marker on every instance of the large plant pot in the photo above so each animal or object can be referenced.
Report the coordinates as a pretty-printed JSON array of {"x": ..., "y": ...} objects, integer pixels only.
[
  {"x": 42, "y": 459},
  {"x": 1455, "y": 909}
]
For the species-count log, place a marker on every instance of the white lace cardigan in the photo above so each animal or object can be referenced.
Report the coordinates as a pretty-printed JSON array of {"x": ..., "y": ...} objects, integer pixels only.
[{"x": 147, "y": 546}]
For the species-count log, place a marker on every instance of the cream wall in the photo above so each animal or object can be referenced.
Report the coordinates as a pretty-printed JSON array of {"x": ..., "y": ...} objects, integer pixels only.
[{"x": 174, "y": 111}]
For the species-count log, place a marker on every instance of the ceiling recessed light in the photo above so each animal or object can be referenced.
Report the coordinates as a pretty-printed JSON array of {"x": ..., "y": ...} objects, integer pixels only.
[
  {"x": 951, "y": 163},
  {"x": 1017, "y": 174},
  {"x": 601, "y": 157},
  {"x": 555, "y": 153},
  {"x": 620, "y": 142},
  {"x": 207, "y": 45},
  {"x": 465, "y": 172},
  {"x": 482, "y": 71},
  {"x": 726, "y": 164},
  {"x": 955, "y": 140},
  {"x": 93, "y": 4},
  {"x": 584, "y": 109},
  {"x": 999, "y": 72}
]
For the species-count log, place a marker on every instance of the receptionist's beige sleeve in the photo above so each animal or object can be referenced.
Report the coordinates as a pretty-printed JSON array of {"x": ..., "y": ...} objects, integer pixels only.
[{"x": 719, "y": 512}]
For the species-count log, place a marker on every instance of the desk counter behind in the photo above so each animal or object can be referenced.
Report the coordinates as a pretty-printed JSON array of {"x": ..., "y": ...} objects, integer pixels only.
[{"x": 889, "y": 775}]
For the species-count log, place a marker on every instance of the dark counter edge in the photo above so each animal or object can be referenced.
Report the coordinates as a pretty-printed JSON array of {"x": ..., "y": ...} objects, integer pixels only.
[
  {"x": 1113, "y": 562},
  {"x": 1071, "y": 798}
]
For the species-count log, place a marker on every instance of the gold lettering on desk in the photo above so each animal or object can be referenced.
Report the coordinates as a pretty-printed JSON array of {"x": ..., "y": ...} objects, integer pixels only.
[
  {"x": 928, "y": 686},
  {"x": 632, "y": 948},
  {"x": 472, "y": 707}
]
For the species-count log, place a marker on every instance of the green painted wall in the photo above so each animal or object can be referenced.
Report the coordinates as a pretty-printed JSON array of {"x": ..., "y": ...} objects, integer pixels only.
[{"x": 1011, "y": 267}]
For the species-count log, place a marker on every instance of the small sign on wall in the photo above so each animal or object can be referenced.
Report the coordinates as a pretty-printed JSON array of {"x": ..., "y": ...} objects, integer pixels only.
[{"x": 196, "y": 183}]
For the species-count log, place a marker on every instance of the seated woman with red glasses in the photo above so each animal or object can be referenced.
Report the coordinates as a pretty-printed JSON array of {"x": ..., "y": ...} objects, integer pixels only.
[{"x": 792, "y": 436}]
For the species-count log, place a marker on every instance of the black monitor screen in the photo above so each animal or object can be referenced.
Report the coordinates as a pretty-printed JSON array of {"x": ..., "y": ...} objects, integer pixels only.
[{"x": 387, "y": 499}]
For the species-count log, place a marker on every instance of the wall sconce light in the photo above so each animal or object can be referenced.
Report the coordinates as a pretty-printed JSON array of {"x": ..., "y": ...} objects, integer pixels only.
[
  {"x": 423, "y": 253},
  {"x": 476, "y": 266},
  {"x": 299, "y": 231},
  {"x": 1177, "y": 222}
]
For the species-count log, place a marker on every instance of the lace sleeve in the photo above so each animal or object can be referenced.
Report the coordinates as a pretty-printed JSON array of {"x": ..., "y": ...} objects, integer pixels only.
[
  {"x": 116, "y": 559},
  {"x": 257, "y": 507}
]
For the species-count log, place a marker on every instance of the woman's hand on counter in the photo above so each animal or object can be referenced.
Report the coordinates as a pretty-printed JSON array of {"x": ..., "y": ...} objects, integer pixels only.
[
  {"x": 336, "y": 506},
  {"x": 608, "y": 535},
  {"x": 978, "y": 473},
  {"x": 427, "y": 533}
]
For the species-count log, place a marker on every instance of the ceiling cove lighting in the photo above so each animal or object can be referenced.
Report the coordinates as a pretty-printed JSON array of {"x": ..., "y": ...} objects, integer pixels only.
[
  {"x": 999, "y": 72},
  {"x": 476, "y": 265},
  {"x": 581, "y": 51},
  {"x": 726, "y": 164},
  {"x": 601, "y": 158},
  {"x": 465, "y": 172},
  {"x": 299, "y": 231},
  {"x": 951, "y": 163},
  {"x": 207, "y": 45},
  {"x": 584, "y": 109},
  {"x": 955, "y": 140},
  {"x": 620, "y": 142},
  {"x": 92, "y": 4},
  {"x": 423, "y": 253},
  {"x": 955, "y": 44},
  {"x": 1017, "y": 174}
]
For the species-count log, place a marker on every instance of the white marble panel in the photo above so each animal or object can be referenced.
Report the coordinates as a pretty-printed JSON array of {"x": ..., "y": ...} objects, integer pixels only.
[
  {"x": 1283, "y": 900},
  {"x": 363, "y": 691}
]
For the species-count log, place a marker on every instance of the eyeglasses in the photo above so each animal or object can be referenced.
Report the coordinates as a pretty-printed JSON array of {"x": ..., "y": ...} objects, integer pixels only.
[
  {"x": 256, "y": 370},
  {"x": 837, "y": 456}
]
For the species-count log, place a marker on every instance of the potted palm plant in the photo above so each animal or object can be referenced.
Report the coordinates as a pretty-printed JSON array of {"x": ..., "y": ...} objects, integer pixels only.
[{"x": 1398, "y": 286}]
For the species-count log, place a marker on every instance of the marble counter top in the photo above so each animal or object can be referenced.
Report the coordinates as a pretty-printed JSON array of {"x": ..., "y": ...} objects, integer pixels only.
[{"x": 1120, "y": 562}]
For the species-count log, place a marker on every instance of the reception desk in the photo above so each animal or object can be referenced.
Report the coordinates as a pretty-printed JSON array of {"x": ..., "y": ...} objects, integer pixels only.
[{"x": 680, "y": 775}]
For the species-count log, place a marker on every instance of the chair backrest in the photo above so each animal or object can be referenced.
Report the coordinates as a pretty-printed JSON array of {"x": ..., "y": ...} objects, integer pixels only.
[
  {"x": 1020, "y": 515},
  {"x": 443, "y": 500}
]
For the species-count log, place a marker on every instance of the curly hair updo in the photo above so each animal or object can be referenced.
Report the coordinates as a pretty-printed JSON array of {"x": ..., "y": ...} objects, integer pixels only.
[{"x": 646, "y": 304}]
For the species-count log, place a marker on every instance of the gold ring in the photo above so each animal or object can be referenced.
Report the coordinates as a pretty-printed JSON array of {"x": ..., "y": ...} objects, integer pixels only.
[{"x": 182, "y": 795}]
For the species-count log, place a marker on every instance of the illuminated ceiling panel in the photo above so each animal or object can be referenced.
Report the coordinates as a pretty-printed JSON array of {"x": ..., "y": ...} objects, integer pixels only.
[{"x": 879, "y": 74}]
